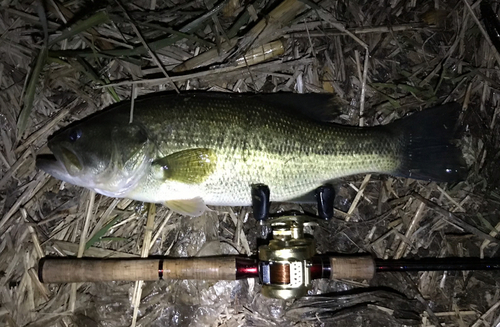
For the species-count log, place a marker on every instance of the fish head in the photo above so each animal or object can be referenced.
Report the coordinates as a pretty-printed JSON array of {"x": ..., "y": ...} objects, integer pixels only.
[{"x": 101, "y": 154}]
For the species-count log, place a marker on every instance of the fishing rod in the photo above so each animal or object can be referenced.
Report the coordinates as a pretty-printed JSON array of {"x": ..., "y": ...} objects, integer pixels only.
[{"x": 286, "y": 264}]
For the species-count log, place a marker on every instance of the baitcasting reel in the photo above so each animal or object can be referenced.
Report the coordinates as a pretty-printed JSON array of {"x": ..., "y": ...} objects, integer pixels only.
[
  {"x": 288, "y": 262},
  {"x": 285, "y": 263}
]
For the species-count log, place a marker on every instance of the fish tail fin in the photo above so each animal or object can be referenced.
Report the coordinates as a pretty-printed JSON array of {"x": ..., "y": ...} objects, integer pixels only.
[{"x": 428, "y": 149}]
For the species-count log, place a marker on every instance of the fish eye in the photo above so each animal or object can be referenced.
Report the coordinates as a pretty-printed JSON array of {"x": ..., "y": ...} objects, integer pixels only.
[{"x": 75, "y": 135}]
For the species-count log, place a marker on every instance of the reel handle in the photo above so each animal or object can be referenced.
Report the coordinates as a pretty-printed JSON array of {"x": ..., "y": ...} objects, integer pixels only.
[
  {"x": 324, "y": 198},
  {"x": 260, "y": 202}
]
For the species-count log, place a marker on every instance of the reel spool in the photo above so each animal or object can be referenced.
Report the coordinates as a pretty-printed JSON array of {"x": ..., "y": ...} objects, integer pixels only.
[{"x": 285, "y": 263}]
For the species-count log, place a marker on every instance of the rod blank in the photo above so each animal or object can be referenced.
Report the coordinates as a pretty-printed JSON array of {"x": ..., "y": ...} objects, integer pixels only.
[{"x": 438, "y": 264}]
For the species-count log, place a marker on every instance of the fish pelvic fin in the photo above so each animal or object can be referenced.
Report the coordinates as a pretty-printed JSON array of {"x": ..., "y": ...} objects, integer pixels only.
[
  {"x": 428, "y": 143},
  {"x": 191, "y": 207}
]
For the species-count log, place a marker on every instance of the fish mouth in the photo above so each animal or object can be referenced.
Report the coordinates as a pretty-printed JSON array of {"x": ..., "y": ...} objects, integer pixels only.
[
  {"x": 71, "y": 161},
  {"x": 49, "y": 164},
  {"x": 62, "y": 164}
]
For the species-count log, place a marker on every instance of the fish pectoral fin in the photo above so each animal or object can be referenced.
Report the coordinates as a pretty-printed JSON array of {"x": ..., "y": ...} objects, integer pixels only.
[
  {"x": 191, "y": 166},
  {"x": 191, "y": 207}
]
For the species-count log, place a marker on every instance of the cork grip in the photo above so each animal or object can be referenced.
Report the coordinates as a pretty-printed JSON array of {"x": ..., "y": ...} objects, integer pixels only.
[
  {"x": 353, "y": 267},
  {"x": 62, "y": 270},
  {"x": 214, "y": 268}
]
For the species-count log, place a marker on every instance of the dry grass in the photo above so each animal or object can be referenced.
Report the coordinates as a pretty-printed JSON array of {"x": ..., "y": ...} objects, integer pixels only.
[{"x": 65, "y": 60}]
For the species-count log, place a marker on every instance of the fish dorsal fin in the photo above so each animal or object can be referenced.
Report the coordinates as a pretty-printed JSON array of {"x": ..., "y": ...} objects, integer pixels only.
[
  {"x": 322, "y": 107},
  {"x": 191, "y": 207},
  {"x": 188, "y": 166}
]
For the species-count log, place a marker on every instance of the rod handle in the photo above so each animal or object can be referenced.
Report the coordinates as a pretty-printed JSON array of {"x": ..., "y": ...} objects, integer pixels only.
[
  {"x": 73, "y": 270},
  {"x": 352, "y": 267}
]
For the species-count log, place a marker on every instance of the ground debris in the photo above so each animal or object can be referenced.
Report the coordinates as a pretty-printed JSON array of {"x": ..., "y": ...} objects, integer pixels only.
[{"x": 61, "y": 61}]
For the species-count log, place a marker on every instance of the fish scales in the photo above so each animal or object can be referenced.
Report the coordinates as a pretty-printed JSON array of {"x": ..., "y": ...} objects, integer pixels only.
[{"x": 255, "y": 143}]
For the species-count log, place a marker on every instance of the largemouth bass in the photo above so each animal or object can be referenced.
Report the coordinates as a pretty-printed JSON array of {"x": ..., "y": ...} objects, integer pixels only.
[{"x": 191, "y": 150}]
